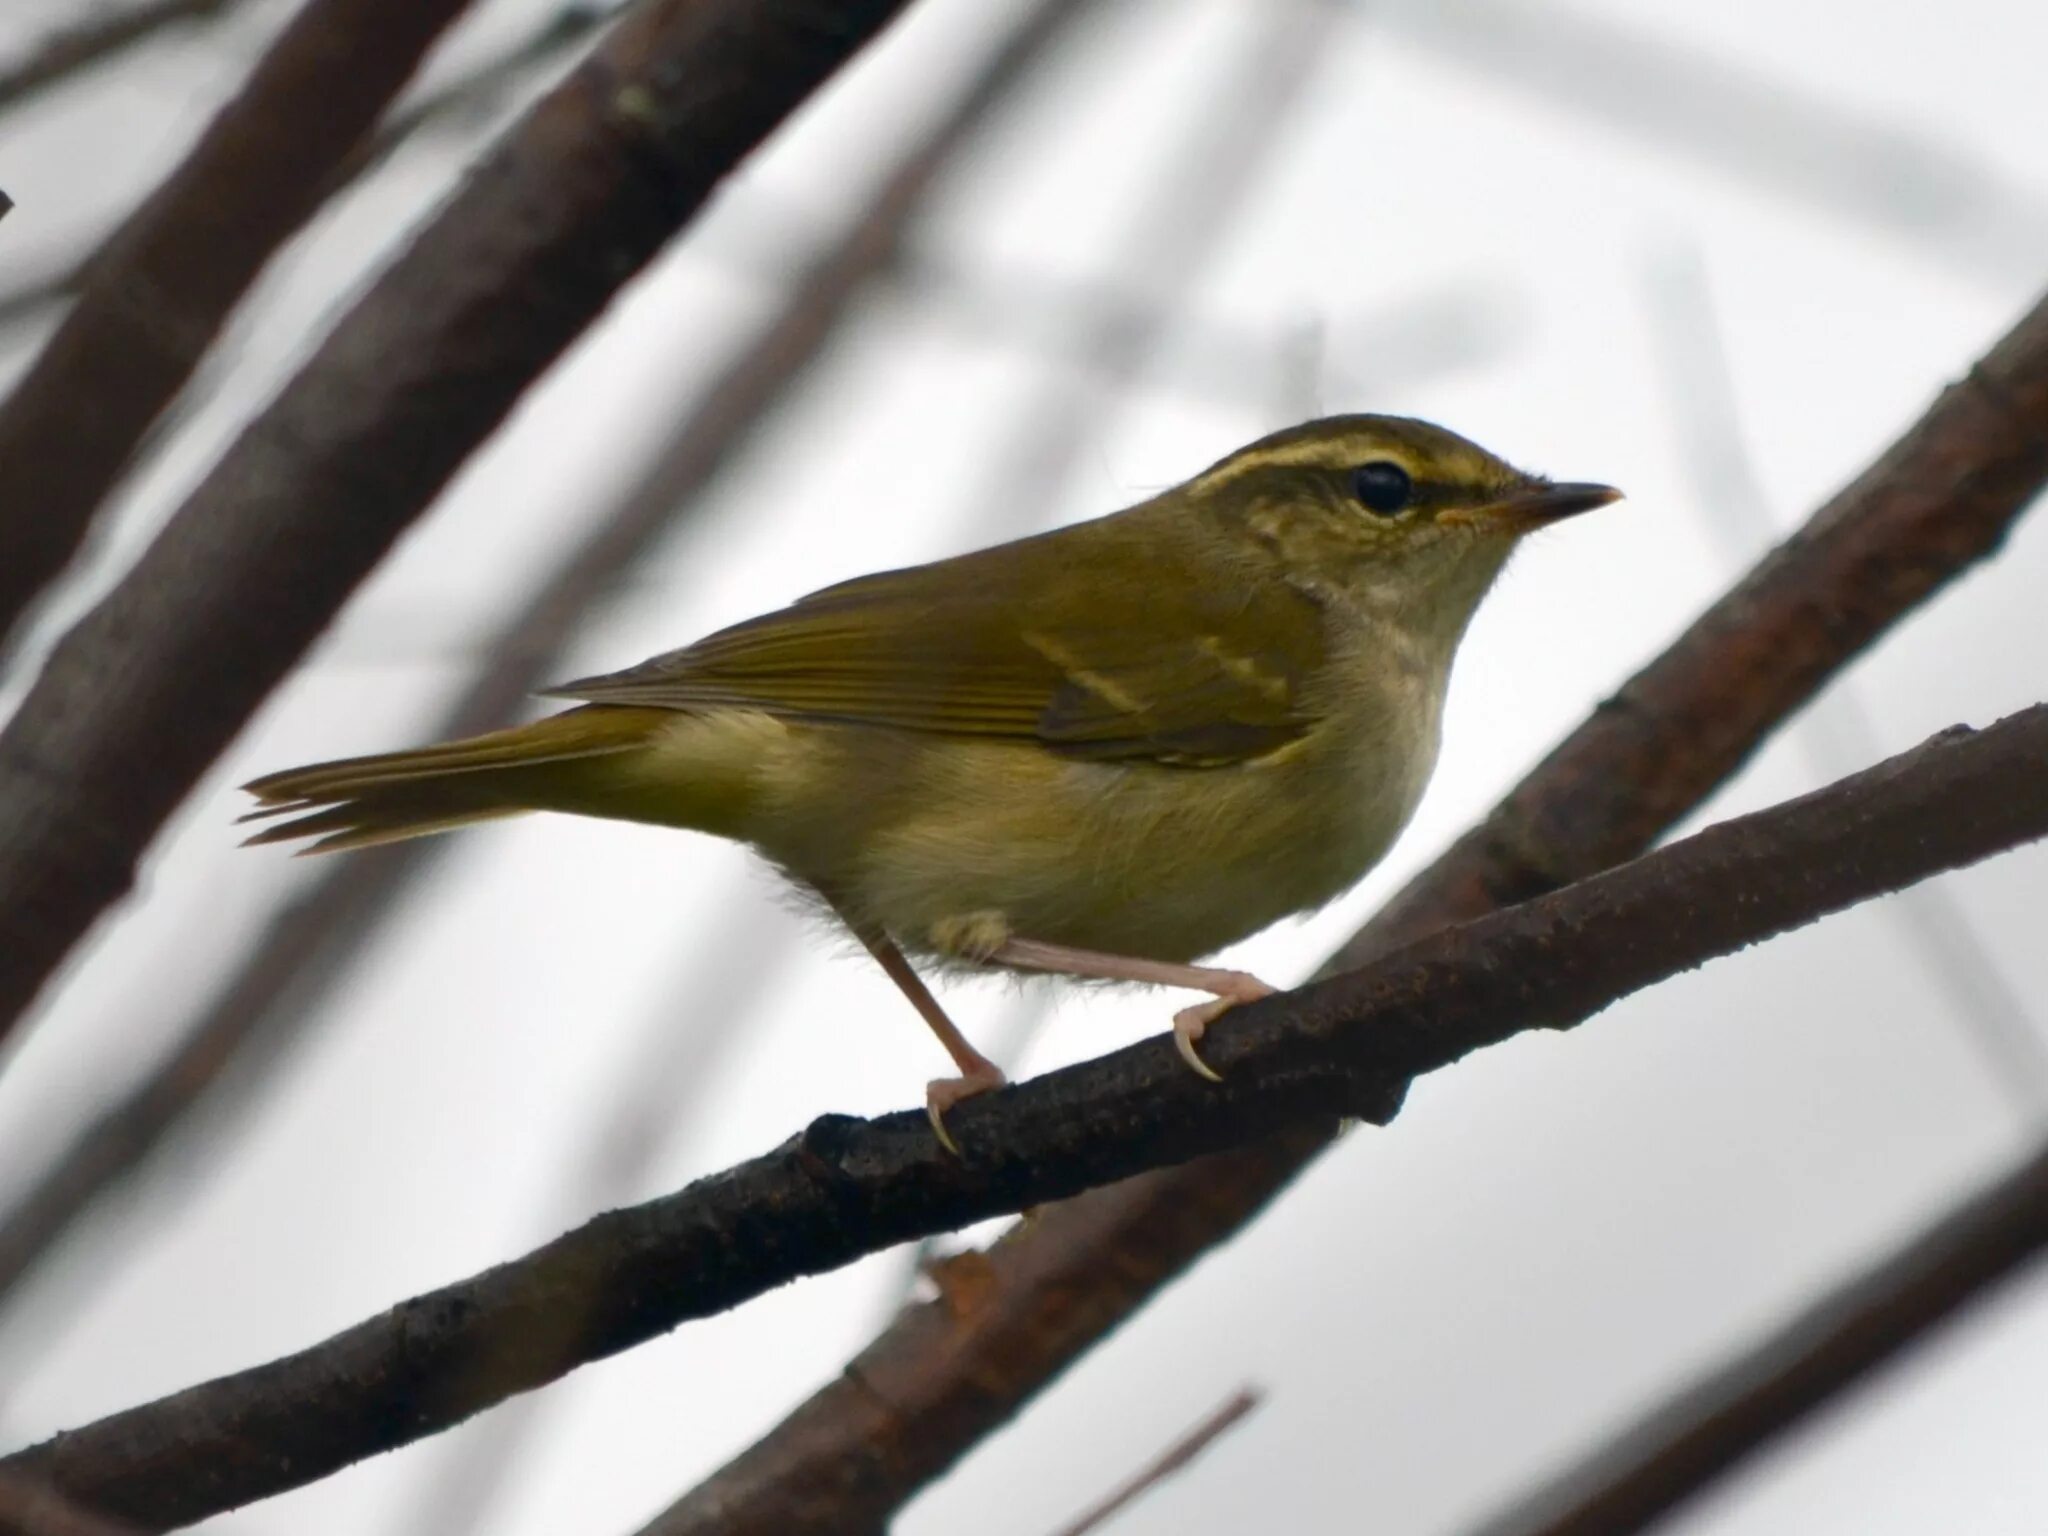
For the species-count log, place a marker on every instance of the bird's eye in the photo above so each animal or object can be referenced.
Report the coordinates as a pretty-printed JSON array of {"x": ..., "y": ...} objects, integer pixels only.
[{"x": 1382, "y": 486}]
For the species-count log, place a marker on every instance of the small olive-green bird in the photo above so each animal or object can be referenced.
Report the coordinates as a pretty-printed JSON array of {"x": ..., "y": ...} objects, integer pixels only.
[{"x": 1104, "y": 751}]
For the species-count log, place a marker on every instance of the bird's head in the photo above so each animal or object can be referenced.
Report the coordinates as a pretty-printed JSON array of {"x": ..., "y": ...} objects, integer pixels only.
[{"x": 1397, "y": 515}]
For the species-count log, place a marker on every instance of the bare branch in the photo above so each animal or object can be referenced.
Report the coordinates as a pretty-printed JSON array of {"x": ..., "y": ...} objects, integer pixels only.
[
  {"x": 1711, "y": 1427},
  {"x": 1178, "y": 1455},
  {"x": 141, "y": 694},
  {"x": 92, "y": 41},
  {"x": 845, "y": 1187},
  {"x": 154, "y": 298},
  {"x": 1941, "y": 499}
]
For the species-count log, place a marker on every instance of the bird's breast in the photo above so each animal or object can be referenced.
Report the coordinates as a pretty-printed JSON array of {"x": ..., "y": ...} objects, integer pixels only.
[{"x": 1139, "y": 857}]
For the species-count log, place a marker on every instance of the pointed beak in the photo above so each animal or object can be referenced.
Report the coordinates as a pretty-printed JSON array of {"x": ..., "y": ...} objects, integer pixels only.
[{"x": 1541, "y": 503}]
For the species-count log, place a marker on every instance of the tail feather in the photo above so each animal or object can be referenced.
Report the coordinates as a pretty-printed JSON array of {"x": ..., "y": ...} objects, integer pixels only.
[{"x": 359, "y": 802}]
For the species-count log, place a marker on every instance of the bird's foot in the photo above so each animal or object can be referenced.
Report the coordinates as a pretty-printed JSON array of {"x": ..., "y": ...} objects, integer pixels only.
[
  {"x": 1231, "y": 988},
  {"x": 942, "y": 1093}
]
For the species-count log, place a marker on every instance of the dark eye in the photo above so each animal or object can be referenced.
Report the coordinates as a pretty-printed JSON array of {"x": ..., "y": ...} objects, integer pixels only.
[{"x": 1382, "y": 486}]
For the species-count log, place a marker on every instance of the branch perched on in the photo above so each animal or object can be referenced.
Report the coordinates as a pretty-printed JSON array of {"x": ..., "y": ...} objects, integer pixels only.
[
  {"x": 847, "y": 1187},
  {"x": 140, "y": 696},
  {"x": 1940, "y": 499}
]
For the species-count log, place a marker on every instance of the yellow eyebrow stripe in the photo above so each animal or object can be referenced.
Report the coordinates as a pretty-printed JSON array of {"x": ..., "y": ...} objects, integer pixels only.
[{"x": 1312, "y": 455}]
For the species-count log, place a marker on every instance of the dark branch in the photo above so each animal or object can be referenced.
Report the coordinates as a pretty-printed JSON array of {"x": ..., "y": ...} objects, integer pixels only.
[
  {"x": 846, "y": 1187},
  {"x": 155, "y": 297},
  {"x": 142, "y": 693},
  {"x": 62, "y": 54},
  {"x": 1711, "y": 1427},
  {"x": 1941, "y": 499}
]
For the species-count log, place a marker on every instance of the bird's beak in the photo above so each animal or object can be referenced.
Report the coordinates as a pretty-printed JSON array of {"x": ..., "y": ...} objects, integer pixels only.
[{"x": 1534, "y": 506}]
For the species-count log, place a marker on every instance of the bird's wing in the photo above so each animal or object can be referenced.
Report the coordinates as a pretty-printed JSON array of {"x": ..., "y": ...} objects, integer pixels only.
[{"x": 1040, "y": 640}]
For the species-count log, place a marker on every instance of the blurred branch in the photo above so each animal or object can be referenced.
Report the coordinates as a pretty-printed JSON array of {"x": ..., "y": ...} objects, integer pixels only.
[
  {"x": 1838, "y": 732},
  {"x": 1179, "y": 1455},
  {"x": 1409, "y": 338},
  {"x": 310, "y": 944},
  {"x": 483, "y": 84},
  {"x": 144, "y": 691},
  {"x": 666, "y": 1081},
  {"x": 846, "y": 1187},
  {"x": 466, "y": 93},
  {"x": 1188, "y": 209},
  {"x": 153, "y": 299},
  {"x": 1875, "y": 173},
  {"x": 1713, "y": 1426},
  {"x": 1938, "y": 501},
  {"x": 108, "y": 31}
]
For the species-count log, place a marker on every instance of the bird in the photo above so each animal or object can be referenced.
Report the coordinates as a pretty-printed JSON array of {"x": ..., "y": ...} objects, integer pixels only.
[{"x": 1106, "y": 751}]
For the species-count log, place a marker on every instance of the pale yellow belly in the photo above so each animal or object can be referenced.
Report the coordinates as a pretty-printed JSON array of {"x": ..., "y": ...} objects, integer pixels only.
[{"x": 1132, "y": 858}]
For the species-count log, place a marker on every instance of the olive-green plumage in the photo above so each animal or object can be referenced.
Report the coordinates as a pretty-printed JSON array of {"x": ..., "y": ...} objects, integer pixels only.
[{"x": 1151, "y": 734}]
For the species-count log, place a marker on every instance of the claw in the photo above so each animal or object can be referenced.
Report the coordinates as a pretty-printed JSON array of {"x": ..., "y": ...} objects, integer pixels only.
[
  {"x": 942, "y": 1093},
  {"x": 1190, "y": 1022},
  {"x": 1188, "y": 1026}
]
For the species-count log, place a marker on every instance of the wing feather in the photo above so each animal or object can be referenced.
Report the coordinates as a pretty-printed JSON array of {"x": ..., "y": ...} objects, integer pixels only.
[{"x": 1027, "y": 641}]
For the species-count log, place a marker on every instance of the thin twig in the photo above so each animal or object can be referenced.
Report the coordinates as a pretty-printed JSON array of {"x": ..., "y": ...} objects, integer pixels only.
[
  {"x": 142, "y": 693},
  {"x": 844, "y": 1187},
  {"x": 158, "y": 293},
  {"x": 1178, "y": 1455},
  {"x": 1711, "y": 1427},
  {"x": 94, "y": 40},
  {"x": 1941, "y": 499},
  {"x": 1879, "y": 173}
]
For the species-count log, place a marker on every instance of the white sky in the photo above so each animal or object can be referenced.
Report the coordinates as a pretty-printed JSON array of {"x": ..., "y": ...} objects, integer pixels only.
[{"x": 1555, "y": 1232}]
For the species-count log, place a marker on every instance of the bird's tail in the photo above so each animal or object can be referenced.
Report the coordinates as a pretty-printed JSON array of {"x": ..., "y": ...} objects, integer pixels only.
[{"x": 568, "y": 762}]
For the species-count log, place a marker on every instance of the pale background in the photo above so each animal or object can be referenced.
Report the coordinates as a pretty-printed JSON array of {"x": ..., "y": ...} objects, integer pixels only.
[{"x": 1583, "y": 236}]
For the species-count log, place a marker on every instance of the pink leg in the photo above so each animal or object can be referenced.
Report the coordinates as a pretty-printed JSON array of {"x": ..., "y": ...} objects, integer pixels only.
[
  {"x": 1229, "y": 987},
  {"x": 977, "y": 1073}
]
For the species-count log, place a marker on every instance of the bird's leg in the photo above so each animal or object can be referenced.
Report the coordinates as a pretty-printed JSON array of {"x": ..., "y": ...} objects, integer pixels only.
[
  {"x": 977, "y": 1073},
  {"x": 1229, "y": 988}
]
